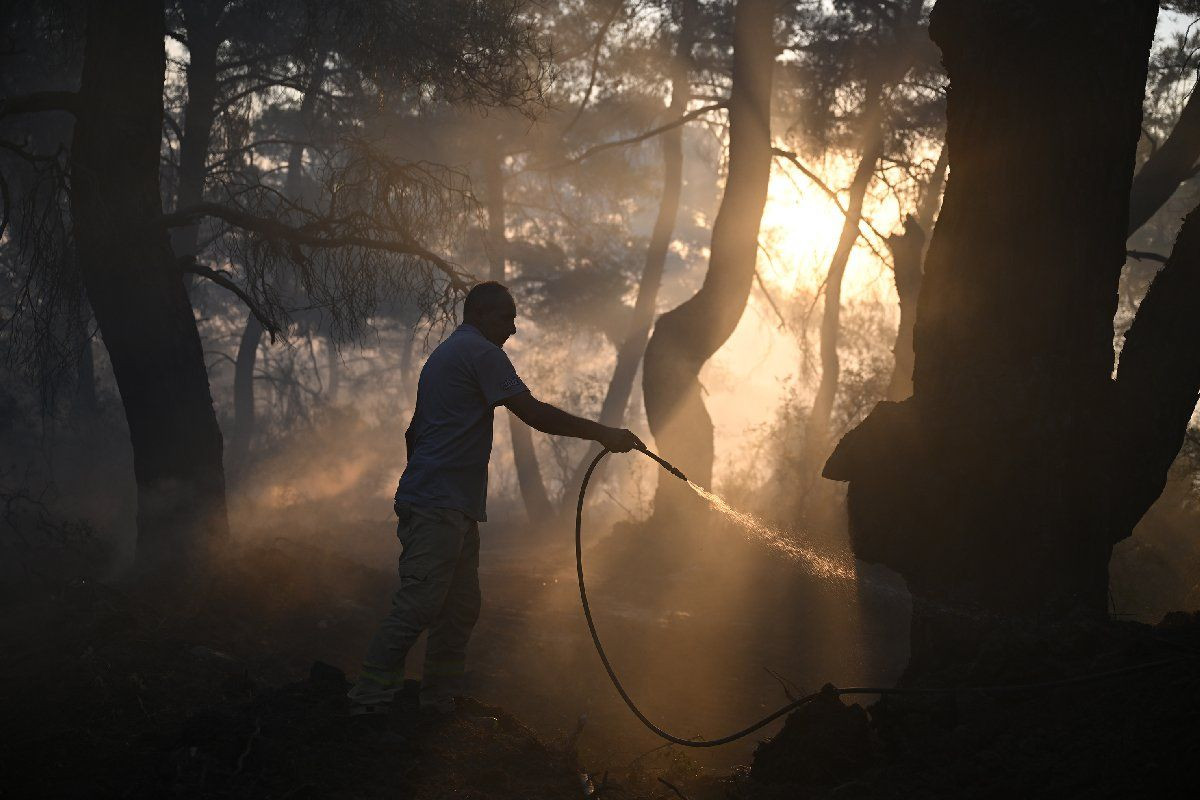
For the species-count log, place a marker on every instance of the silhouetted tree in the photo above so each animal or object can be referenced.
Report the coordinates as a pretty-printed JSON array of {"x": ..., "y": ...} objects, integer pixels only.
[
  {"x": 688, "y": 335},
  {"x": 1019, "y": 461}
]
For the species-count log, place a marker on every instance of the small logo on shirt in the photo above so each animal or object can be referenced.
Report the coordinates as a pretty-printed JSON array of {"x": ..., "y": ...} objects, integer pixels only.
[{"x": 512, "y": 383}]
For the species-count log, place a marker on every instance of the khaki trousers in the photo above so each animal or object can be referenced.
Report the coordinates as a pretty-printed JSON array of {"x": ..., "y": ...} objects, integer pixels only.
[{"x": 439, "y": 592}]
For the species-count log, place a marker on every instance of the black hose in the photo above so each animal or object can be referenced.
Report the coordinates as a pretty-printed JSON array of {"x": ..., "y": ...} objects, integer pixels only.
[{"x": 829, "y": 690}]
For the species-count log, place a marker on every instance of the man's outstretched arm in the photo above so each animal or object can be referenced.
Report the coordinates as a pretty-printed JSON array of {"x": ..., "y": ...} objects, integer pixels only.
[{"x": 556, "y": 422}]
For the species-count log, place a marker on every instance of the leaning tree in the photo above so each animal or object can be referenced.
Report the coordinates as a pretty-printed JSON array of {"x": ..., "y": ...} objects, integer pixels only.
[
  {"x": 1022, "y": 456},
  {"x": 687, "y": 336}
]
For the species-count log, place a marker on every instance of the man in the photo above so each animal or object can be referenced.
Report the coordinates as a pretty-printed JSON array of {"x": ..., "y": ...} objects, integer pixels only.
[{"x": 441, "y": 497}]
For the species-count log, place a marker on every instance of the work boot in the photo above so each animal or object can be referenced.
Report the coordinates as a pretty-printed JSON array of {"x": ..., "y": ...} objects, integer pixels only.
[{"x": 374, "y": 691}]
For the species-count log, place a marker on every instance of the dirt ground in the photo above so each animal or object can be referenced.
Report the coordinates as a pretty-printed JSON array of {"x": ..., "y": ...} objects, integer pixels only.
[{"x": 235, "y": 688}]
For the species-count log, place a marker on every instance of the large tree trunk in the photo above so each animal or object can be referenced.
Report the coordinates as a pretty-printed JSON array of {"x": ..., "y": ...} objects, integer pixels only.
[
  {"x": 688, "y": 335},
  {"x": 135, "y": 288},
  {"x": 529, "y": 473},
  {"x": 633, "y": 346},
  {"x": 1000, "y": 484}
]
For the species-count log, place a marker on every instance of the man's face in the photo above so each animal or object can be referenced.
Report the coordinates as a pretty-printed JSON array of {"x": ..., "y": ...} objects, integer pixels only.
[{"x": 499, "y": 322}]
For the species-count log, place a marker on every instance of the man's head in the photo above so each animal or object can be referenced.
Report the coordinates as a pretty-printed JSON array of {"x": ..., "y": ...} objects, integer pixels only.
[{"x": 490, "y": 308}]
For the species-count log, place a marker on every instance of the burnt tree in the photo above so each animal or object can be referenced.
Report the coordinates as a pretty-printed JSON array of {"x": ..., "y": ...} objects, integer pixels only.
[{"x": 1004, "y": 481}]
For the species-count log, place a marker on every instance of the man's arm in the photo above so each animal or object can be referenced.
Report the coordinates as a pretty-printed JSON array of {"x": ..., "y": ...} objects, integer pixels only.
[{"x": 556, "y": 422}]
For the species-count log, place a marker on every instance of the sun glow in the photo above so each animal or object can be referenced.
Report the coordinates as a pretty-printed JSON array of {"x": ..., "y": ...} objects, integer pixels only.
[{"x": 800, "y": 230}]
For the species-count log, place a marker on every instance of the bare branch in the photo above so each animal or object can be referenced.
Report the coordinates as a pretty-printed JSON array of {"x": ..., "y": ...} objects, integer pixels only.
[
  {"x": 601, "y": 35},
  {"x": 222, "y": 279},
  {"x": 1143, "y": 255},
  {"x": 641, "y": 137},
  {"x": 832, "y": 195},
  {"x": 272, "y": 229}
]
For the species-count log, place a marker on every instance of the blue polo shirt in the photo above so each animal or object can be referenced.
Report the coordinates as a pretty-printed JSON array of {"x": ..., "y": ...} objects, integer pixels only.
[{"x": 450, "y": 437}]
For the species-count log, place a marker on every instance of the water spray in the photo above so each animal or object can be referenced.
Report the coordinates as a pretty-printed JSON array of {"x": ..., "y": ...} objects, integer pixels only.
[{"x": 830, "y": 690}]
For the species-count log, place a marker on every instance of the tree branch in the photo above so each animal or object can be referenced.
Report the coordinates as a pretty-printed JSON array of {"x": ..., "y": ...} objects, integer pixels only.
[
  {"x": 38, "y": 102},
  {"x": 273, "y": 229},
  {"x": 1145, "y": 255},
  {"x": 222, "y": 279},
  {"x": 832, "y": 195},
  {"x": 641, "y": 137}
]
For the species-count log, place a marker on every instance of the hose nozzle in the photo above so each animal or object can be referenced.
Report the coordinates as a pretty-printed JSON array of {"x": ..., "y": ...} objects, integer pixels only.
[{"x": 667, "y": 465}]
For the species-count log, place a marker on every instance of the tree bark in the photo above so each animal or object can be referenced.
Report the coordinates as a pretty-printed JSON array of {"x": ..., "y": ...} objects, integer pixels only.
[
  {"x": 1000, "y": 484},
  {"x": 134, "y": 287},
  {"x": 633, "y": 346},
  {"x": 687, "y": 336},
  {"x": 529, "y": 472}
]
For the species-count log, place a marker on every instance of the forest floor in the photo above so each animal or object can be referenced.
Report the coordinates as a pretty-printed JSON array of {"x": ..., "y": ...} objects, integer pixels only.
[{"x": 236, "y": 689}]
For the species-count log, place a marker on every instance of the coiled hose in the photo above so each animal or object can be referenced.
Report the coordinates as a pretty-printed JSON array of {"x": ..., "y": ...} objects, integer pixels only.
[{"x": 829, "y": 690}]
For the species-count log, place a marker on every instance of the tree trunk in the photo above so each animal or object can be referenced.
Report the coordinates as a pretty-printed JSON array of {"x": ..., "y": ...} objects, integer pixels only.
[
  {"x": 199, "y": 113},
  {"x": 908, "y": 262},
  {"x": 135, "y": 288},
  {"x": 243, "y": 393},
  {"x": 633, "y": 346},
  {"x": 333, "y": 361},
  {"x": 687, "y": 336},
  {"x": 247, "y": 354},
  {"x": 908, "y": 251},
  {"x": 1170, "y": 165},
  {"x": 529, "y": 473},
  {"x": 1000, "y": 484},
  {"x": 816, "y": 437}
]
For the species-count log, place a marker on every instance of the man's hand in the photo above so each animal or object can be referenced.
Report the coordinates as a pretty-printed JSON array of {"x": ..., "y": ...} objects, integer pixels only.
[{"x": 619, "y": 440}]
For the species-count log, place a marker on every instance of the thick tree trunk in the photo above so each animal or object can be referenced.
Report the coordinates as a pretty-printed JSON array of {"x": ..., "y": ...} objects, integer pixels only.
[
  {"x": 998, "y": 483},
  {"x": 529, "y": 473},
  {"x": 816, "y": 437},
  {"x": 199, "y": 113},
  {"x": 688, "y": 335},
  {"x": 633, "y": 346},
  {"x": 135, "y": 289}
]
